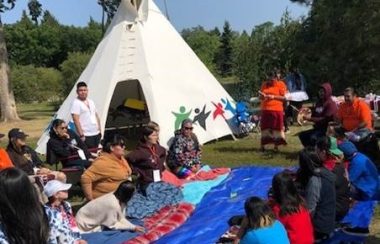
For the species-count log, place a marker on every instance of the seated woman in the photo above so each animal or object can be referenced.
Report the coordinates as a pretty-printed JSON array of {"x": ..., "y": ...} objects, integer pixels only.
[
  {"x": 23, "y": 218},
  {"x": 184, "y": 156},
  {"x": 318, "y": 184},
  {"x": 290, "y": 209},
  {"x": 25, "y": 158},
  {"x": 260, "y": 225},
  {"x": 65, "y": 145},
  {"x": 148, "y": 159},
  {"x": 108, "y": 211},
  {"x": 108, "y": 170}
]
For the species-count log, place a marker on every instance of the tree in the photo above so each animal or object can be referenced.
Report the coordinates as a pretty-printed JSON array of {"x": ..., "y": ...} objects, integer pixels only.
[
  {"x": 71, "y": 70},
  {"x": 205, "y": 44},
  {"x": 109, "y": 8},
  {"x": 35, "y": 10},
  {"x": 339, "y": 42},
  {"x": 224, "y": 60}
]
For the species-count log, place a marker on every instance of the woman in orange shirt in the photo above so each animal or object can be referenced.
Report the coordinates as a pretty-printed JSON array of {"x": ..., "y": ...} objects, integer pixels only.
[{"x": 272, "y": 95}]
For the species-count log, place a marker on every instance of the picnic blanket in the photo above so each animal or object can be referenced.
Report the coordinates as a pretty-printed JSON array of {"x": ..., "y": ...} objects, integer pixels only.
[
  {"x": 158, "y": 195},
  {"x": 209, "y": 220},
  {"x": 164, "y": 221},
  {"x": 205, "y": 174}
]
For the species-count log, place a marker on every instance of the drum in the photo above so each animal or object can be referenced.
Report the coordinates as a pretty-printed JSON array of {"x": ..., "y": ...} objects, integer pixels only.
[
  {"x": 303, "y": 112},
  {"x": 298, "y": 96}
]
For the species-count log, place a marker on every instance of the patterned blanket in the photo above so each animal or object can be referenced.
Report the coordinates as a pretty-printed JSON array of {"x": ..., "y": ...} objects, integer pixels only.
[
  {"x": 163, "y": 222},
  {"x": 158, "y": 195}
]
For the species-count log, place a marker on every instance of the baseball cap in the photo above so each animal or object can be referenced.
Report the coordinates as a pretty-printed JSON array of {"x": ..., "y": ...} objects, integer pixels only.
[
  {"x": 334, "y": 147},
  {"x": 17, "y": 133},
  {"x": 55, "y": 186}
]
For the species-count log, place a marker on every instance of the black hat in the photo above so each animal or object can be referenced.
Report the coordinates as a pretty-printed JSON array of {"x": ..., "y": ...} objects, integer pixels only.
[{"x": 16, "y": 133}]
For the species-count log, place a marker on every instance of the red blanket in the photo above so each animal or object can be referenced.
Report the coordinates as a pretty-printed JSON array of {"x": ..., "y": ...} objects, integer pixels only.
[
  {"x": 163, "y": 222},
  {"x": 171, "y": 178}
]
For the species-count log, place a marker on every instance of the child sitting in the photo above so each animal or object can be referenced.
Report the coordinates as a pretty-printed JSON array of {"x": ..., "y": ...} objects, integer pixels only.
[
  {"x": 290, "y": 209},
  {"x": 260, "y": 225}
]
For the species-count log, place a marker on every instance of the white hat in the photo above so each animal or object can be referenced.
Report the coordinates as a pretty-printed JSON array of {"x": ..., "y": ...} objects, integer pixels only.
[{"x": 55, "y": 186}]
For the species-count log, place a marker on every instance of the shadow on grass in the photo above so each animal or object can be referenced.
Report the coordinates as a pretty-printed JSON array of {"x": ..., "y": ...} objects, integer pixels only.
[{"x": 269, "y": 153}]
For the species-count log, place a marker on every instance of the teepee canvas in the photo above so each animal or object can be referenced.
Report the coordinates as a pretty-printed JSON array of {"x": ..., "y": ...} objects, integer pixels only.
[{"x": 143, "y": 58}]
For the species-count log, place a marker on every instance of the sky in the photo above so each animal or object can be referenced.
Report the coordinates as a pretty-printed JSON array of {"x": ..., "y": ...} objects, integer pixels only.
[{"x": 241, "y": 14}]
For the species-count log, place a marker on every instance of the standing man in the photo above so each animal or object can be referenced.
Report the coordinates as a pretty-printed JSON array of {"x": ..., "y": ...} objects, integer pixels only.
[{"x": 85, "y": 117}]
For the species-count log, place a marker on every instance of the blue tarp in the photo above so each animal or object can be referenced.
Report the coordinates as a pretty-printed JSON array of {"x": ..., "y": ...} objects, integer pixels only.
[
  {"x": 209, "y": 220},
  {"x": 193, "y": 192}
]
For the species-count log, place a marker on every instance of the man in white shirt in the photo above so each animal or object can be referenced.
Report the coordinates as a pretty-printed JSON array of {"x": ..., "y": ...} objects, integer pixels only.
[{"x": 85, "y": 117}]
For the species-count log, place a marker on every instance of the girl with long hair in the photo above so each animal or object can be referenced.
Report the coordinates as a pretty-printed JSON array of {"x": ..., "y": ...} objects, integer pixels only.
[
  {"x": 22, "y": 216},
  {"x": 260, "y": 225},
  {"x": 290, "y": 209}
]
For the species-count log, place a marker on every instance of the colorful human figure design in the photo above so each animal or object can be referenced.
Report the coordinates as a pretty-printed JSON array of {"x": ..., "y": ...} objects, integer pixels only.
[
  {"x": 219, "y": 111},
  {"x": 201, "y": 117},
  {"x": 181, "y": 116},
  {"x": 228, "y": 106}
]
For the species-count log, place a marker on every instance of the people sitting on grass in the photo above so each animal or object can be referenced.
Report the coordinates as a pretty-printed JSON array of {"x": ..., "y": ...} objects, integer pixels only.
[
  {"x": 57, "y": 193},
  {"x": 108, "y": 211},
  {"x": 184, "y": 156},
  {"x": 290, "y": 209},
  {"x": 108, "y": 170},
  {"x": 65, "y": 146},
  {"x": 272, "y": 95},
  {"x": 362, "y": 174},
  {"x": 332, "y": 159},
  {"x": 318, "y": 184},
  {"x": 324, "y": 111},
  {"x": 260, "y": 225},
  {"x": 25, "y": 158},
  {"x": 148, "y": 159}
]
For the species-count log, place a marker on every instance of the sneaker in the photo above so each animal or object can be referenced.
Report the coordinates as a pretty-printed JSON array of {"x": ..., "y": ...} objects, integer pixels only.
[{"x": 356, "y": 231}]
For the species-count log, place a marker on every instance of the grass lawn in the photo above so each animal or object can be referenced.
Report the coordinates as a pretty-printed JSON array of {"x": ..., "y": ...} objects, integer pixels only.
[{"x": 224, "y": 152}]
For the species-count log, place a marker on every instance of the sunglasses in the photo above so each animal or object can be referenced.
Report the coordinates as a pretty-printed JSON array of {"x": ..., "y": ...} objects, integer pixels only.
[
  {"x": 120, "y": 144},
  {"x": 188, "y": 128}
]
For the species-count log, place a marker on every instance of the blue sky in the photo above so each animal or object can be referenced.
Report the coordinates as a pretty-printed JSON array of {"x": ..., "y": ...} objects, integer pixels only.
[{"x": 241, "y": 14}]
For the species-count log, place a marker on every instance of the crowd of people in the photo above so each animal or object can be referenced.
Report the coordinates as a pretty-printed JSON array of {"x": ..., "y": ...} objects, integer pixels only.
[
  {"x": 34, "y": 206},
  {"x": 302, "y": 207},
  {"x": 337, "y": 167}
]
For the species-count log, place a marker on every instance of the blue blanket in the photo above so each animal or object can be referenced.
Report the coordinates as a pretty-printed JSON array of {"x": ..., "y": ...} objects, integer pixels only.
[
  {"x": 194, "y": 191},
  {"x": 209, "y": 220},
  {"x": 158, "y": 195}
]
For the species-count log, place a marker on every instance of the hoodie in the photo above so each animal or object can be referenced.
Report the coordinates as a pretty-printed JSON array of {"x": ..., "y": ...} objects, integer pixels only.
[
  {"x": 321, "y": 199},
  {"x": 325, "y": 109}
]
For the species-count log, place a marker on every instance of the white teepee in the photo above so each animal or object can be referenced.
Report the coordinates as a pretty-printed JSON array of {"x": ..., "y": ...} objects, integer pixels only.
[{"x": 143, "y": 57}]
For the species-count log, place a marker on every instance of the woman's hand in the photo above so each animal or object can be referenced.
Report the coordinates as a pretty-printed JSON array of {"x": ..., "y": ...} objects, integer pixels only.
[{"x": 139, "y": 229}]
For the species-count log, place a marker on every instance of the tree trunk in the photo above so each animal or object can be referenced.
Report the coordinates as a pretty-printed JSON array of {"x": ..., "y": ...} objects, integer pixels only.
[{"x": 7, "y": 100}]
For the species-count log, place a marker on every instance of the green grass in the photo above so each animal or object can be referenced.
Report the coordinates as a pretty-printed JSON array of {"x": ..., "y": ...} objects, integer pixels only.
[{"x": 222, "y": 153}]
